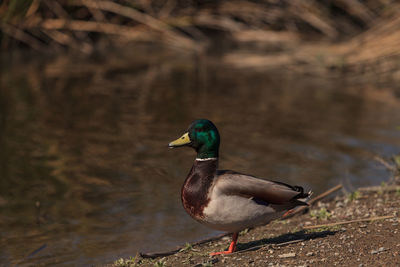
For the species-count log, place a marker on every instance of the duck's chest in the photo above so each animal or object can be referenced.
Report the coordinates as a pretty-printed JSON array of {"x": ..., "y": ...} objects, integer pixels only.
[
  {"x": 195, "y": 192},
  {"x": 195, "y": 196}
]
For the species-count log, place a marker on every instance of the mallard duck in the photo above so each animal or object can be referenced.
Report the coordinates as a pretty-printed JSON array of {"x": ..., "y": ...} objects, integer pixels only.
[{"x": 227, "y": 200}]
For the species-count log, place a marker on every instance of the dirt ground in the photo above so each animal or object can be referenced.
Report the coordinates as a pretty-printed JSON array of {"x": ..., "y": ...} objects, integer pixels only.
[{"x": 370, "y": 240}]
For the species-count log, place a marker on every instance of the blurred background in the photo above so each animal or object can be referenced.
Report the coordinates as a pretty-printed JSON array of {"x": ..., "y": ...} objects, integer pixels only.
[{"x": 91, "y": 92}]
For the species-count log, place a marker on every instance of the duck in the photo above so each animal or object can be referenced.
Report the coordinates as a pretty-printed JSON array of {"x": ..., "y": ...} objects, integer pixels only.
[{"x": 227, "y": 200}]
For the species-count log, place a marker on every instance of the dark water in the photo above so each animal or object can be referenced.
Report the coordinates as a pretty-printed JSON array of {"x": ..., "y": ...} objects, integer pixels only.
[{"x": 85, "y": 173}]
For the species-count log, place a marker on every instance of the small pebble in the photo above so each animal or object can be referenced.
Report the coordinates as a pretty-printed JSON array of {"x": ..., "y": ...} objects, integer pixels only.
[
  {"x": 339, "y": 204},
  {"x": 377, "y": 251},
  {"x": 287, "y": 255}
]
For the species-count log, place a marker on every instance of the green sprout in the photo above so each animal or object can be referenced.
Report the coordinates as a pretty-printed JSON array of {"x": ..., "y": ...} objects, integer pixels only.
[
  {"x": 207, "y": 264},
  {"x": 323, "y": 214},
  {"x": 354, "y": 195},
  {"x": 187, "y": 247},
  {"x": 245, "y": 231},
  {"x": 398, "y": 191},
  {"x": 131, "y": 262},
  {"x": 159, "y": 263},
  {"x": 397, "y": 161}
]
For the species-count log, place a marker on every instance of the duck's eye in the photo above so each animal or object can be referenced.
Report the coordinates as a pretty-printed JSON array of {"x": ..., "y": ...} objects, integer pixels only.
[{"x": 183, "y": 137}]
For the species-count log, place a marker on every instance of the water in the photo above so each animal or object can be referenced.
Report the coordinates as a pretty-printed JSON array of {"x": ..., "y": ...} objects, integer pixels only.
[{"x": 85, "y": 173}]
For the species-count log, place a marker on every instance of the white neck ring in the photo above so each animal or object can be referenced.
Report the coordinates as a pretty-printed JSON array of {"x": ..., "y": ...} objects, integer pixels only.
[{"x": 198, "y": 159}]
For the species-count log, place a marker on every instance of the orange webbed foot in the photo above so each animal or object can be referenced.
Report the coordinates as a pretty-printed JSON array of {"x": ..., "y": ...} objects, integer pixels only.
[
  {"x": 232, "y": 247},
  {"x": 221, "y": 253}
]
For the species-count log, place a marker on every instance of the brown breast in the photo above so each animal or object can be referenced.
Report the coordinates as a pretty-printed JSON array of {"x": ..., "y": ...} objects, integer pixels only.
[{"x": 196, "y": 187}]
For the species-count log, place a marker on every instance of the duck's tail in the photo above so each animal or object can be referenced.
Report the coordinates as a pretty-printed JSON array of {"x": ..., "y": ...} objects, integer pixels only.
[
  {"x": 300, "y": 200},
  {"x": 301, "y": 197},
  {"x": 304, "y": 197}
]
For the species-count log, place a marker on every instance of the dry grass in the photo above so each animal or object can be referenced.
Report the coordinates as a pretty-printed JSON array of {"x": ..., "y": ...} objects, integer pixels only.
[
  {"x": 358, "y": 37},
  {"x": 69, "y": 23}
]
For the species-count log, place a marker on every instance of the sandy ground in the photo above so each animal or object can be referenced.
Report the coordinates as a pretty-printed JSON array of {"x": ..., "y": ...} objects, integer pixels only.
[{"x": 291, "y": 242}]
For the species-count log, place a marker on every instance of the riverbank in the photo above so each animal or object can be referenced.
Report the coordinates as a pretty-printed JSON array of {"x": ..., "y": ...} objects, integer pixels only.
[{"x": 358, "y": 229}]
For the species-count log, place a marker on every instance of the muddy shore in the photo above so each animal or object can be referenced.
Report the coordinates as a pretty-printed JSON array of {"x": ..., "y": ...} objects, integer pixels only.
[{"x": 357, "y": 229}]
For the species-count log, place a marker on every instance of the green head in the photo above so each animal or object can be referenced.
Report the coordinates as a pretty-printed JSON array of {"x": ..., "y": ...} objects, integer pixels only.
[{"x": 203, "y": 136}]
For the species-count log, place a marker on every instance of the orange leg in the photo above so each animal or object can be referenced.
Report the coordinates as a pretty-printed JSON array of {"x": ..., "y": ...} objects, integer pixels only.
[{"x": 231, "y": 249}]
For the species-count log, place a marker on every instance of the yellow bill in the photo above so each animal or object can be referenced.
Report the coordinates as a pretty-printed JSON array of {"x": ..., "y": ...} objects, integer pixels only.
[{"x": 181, "y": 141}]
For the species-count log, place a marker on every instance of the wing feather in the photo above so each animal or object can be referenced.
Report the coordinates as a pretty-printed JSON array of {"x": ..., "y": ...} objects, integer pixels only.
[{"x": 270, "y": 191}]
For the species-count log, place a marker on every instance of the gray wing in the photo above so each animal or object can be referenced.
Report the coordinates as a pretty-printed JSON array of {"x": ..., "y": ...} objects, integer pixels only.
[{"x": 248, "y": 186}]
